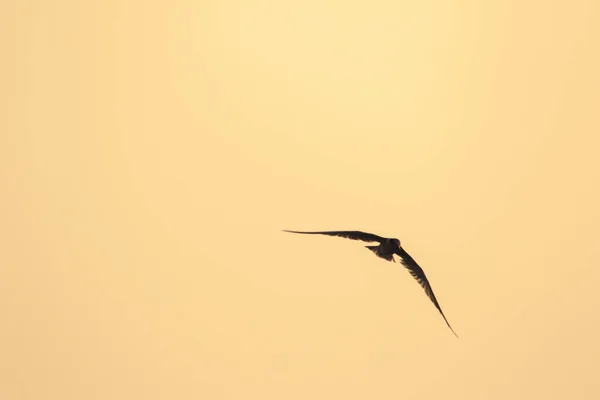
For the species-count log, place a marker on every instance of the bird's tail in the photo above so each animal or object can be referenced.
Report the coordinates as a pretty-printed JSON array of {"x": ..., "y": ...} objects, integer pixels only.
[{"x": 373, "y": 248}]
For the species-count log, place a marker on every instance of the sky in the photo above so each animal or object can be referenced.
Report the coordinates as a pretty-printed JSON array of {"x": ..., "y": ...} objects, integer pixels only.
[{"x": 152, "y": 153}]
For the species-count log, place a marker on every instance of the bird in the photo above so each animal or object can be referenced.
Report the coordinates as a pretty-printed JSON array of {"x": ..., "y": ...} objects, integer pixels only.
[{"x": 386, "y": 249}]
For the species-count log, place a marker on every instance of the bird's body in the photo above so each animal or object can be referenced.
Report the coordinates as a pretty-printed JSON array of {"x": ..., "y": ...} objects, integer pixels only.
[
  {"x": 386, "y": 249},
  {"x": 381, "y": 252}
]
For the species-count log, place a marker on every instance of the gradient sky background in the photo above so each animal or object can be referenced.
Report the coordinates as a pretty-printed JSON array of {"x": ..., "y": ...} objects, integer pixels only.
[{"x": 151, "y": 153}]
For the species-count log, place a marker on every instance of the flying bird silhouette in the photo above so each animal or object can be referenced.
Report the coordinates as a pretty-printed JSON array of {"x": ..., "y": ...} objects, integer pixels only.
[{"x": 386, "y": 249}]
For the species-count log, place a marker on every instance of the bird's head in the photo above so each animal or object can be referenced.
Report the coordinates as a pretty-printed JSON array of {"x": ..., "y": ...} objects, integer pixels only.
[{"x": 395, "y": 242}]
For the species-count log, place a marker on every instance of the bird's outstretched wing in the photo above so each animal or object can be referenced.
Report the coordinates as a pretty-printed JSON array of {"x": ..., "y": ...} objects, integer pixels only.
[
  {"x": 354, "y": 235},
  {"x": 418, "y": 273}
]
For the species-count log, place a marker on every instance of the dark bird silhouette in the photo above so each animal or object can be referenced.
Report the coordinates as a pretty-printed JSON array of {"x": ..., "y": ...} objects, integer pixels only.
[{"x": 386, "y": 249}]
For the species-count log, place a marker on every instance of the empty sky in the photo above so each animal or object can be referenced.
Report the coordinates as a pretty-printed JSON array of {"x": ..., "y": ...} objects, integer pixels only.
[{"x": 151, "y": 153}]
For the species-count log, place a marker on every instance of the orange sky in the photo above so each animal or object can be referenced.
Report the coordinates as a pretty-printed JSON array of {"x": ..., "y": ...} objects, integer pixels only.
[{"x": 151, "y": 155}]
